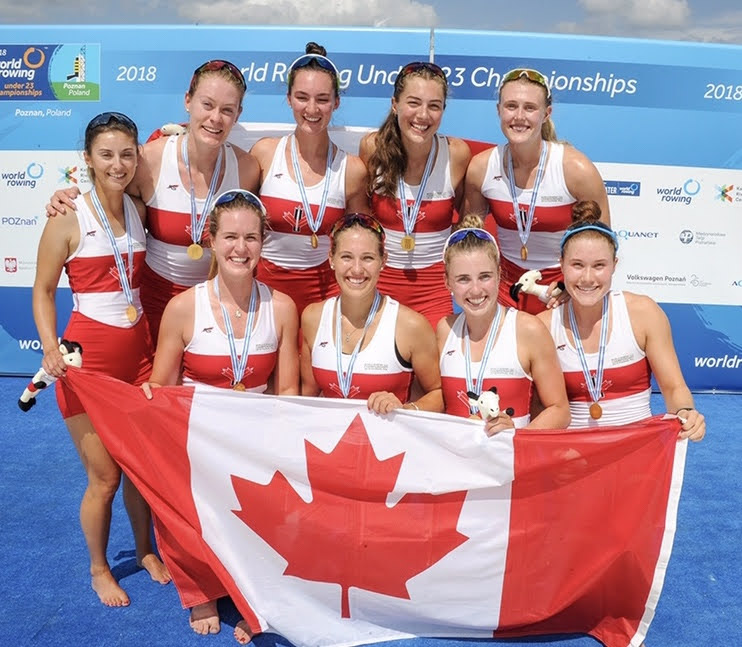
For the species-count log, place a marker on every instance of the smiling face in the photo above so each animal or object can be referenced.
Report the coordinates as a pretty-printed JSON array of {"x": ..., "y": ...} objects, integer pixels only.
[
  {"x": 522, "y": 109},
  {"x": 357, "y": 261},
  {"x": 112, "y": 159},
  {"x": 312, "y": 99},
  {"x": 238, "y": 241},
  {"x": 419, "y": 108},
  {"x": 588, "y": 264},
  {"x": 473, "y": 278},
  {"x": 214, "y": 106}
]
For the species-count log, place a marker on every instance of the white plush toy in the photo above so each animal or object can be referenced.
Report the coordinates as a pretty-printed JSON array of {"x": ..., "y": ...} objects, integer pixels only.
[
  {"x": 488, "y": 403},
  {"x": 72, "y": 355},
  {"x": 173, "y": 129},
  {"x": 527, "y": 283}
]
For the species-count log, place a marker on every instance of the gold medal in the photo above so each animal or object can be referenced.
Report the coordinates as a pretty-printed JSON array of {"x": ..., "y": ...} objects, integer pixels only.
[
  {"x": 195, "y": 251},
  {"x": 408, "y": 243},
  {"x": 131, "y": 313},
  {"x": 596, "y": 411},
  {"x": 315, "y": 241},
  {"x": 238, "y": 386},
  {"x": 524, "y": 255}
]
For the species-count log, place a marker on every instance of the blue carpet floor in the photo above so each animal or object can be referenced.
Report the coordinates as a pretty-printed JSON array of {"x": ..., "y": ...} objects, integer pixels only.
[{"x": 45, "y": 598}]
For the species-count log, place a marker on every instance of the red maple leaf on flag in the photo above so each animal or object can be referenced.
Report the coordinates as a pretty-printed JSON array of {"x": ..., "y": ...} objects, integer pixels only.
[{"x": 347, "y": 534}]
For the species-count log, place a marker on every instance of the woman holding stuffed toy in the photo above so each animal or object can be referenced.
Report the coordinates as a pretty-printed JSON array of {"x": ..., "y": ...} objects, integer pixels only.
[
  {"x": 178, "y": 179},
  {"x": 491, "y": 345},
  {"x": 232, "y": 331},
  {"x": 610, "y": 341},
  {"x": 306, "y": 183},
  {"x": 362, "y": 344},
  {"x": 416, "y": 183},
  {"x": 534, "y": 176},
  {"x": 100, "y": 244}
]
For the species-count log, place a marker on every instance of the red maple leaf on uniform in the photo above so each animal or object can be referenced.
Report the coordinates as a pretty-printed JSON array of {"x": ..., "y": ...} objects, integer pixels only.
[{"x": 347, "y": 534}]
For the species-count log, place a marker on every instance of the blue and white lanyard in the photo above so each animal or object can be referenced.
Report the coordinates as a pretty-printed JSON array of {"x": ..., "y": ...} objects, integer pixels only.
[
  {"x": 198, "y": 223},
  {"x": 346, "y": 377},
  {"x": 593, "y": 384},
  {"x": 409, "y": 214},
  {"x": 488, "y": 346},
  {"x": 124, "y": 279},
  {"x": 524, "y": 229},
  {"x": 314, "y": 223},
  {"x": 239, "y": 362}
]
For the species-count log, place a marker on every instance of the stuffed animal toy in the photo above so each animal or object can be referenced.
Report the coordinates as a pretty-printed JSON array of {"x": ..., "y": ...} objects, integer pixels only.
[
  {"x": 488, "y": 403},
  {"x": 166, "y": 130},
  {"x": 527, "y": 284},
  {"x": 72, "y": 355}
]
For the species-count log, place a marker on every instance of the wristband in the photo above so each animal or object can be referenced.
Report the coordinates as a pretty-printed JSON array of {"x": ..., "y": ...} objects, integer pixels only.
[{"x": 683, "y": 409}]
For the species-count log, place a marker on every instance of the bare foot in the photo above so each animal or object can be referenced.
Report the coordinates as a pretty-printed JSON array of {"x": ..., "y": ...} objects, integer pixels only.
[
  {"x": 205, "y": 618},
  {"x": 108, "y": 589},
  {"x": 156, "y": 569},
  {"x": 242, "y": 633}
]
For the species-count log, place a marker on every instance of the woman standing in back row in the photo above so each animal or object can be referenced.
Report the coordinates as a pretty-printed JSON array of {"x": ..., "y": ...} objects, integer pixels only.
[
  {"x": 530, "y": 184},
  {"x": 306, "y": 184},
  {"x": 416, "y": 184}
]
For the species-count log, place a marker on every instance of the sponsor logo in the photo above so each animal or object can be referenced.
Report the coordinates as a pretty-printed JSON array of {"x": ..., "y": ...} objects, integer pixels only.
[
  {"x": 697, "y": 282},
  {"x": 371, "y": 366},
  {"x": 727, "y": 361},
  {"x": 11, "y": 265},
  {"x": 737, "y": 284},
  {"x": 173, "y": 187},
  {"x": 552, "y": 199},
  {"x": 706, "y": 238},
  {"x": 683, "y": 194},
  {"x": 13, "y": 221},
  {"x": 23, "y": 178},
  {"x": 625, "y": 234},
  {"x": 623, "y": 188},
  {"x": 623, "y": 359},
  {"x": 656, "y": 279},
  {"x": 68, "y": 175},
  {"x": 727, "y": 193}
]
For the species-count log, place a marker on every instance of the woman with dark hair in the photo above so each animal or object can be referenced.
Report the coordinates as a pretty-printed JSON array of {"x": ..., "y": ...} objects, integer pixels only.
[
  {"x": 178, "y": 178},
  {"x": 610, "y": 341},
  {"x": 416, "y": 183},
  {"x": 362, "y": 344},
  {"x": 306, "y": 183},
  {"x": 100, "y": 244},
  {"x": 530, "y": 184}
]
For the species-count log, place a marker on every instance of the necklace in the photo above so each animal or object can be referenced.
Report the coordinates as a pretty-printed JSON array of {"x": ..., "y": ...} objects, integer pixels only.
[
  {"x": 238, "y": 313},
  {"x": 348, "y": 335}
]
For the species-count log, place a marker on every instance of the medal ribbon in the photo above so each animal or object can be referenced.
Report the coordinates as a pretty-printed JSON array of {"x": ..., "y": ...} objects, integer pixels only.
[
  {"x": 314, "y": 223},
  {"x": 239, "y": 362},
  {"x": 124, "y": 279},
  {"x": 593, "y": 384},
  {"x": 409, "y": 214},
  {"x": 198, "y": 223},
  {"x": 345, "y": 378},
  {"x": 524, "y": 229},
  {"x": 476, "y": 387}
]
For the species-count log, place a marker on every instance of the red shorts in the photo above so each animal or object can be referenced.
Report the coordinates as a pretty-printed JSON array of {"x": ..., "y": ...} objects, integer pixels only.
[
  {"x": 123, "y": 353},
  {"x": 509, "y": 275},
  {"x": 424, "y": 290},
  {"x": 155, "y": 293},
  {"x": 305, "y": 287}
]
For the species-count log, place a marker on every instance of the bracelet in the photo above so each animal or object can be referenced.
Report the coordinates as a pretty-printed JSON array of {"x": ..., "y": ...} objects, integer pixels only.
[
  {"x": 683, "y": 409},
  {"x": 414, "y": 405}
]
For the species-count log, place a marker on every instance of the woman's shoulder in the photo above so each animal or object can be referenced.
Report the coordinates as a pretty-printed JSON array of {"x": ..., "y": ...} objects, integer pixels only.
[{"x": 367, "y": 145}]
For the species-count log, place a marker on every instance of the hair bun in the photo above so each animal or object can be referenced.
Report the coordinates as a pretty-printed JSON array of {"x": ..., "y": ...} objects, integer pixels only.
[
  {"x": 471, "y": 221},
  {"x": 315, "y": 48},
  {"x": 586, "y": 211}
]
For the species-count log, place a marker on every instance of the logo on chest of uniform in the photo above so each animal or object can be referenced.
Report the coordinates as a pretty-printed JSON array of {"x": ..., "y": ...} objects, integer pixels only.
[
  {"x": 629, "y": 358},
  {"x": 376, "y": 367}
]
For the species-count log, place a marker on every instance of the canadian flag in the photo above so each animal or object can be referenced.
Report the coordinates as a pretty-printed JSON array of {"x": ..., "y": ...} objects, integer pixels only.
[{"x": 335, "y": 526}]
